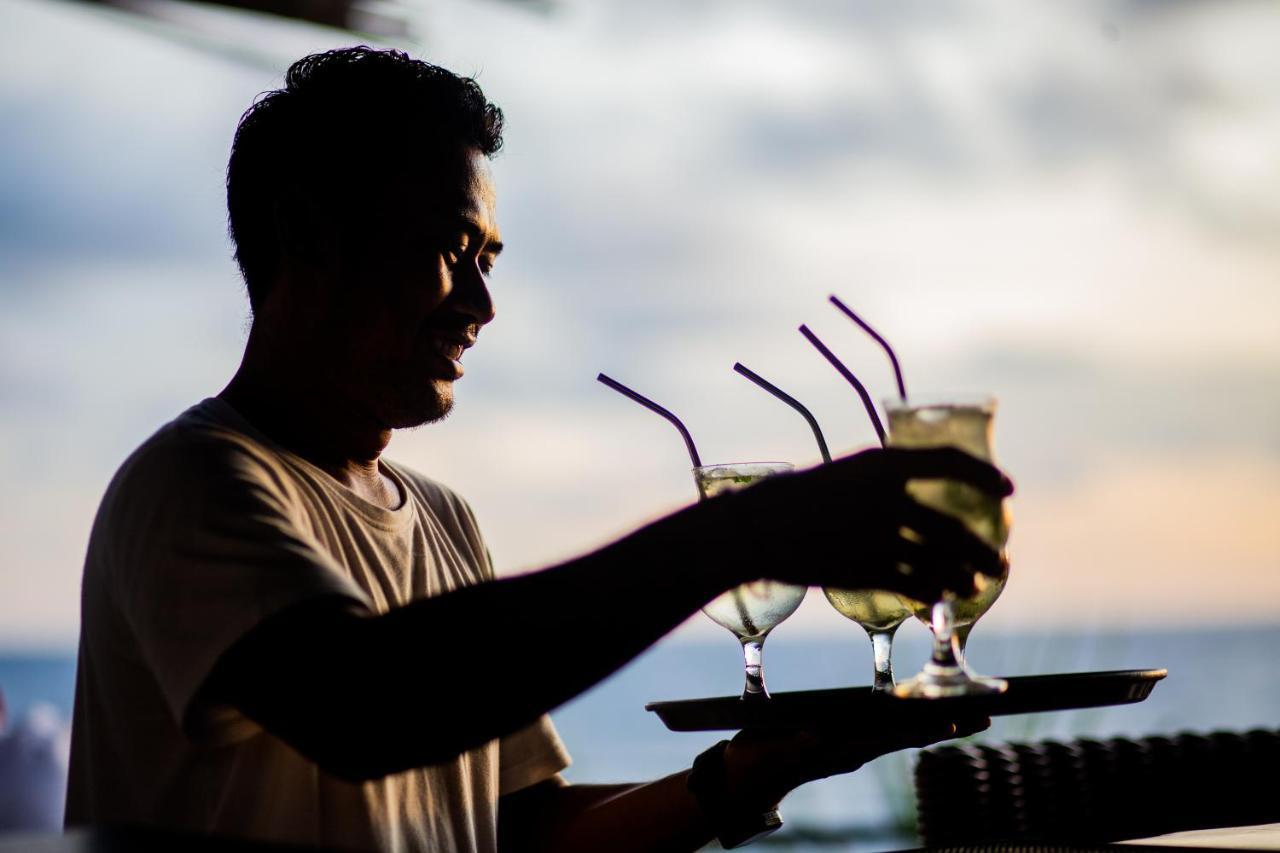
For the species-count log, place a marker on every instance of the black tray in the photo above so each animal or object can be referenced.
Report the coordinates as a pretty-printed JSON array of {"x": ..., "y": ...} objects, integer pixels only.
[{"x": 1027, "y": 694}]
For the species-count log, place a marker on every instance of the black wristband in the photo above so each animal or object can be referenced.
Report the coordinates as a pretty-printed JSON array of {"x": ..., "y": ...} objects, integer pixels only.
[{"x": 733, "y": 825}]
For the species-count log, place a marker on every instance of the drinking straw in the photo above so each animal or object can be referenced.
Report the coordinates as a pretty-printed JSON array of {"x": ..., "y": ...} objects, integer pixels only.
[
  {"x": 790, "y": 401},
  {"x": 852, "y": 380},
  {"x": 654, "y": 407},
  {"x": 866, "y": 327}
]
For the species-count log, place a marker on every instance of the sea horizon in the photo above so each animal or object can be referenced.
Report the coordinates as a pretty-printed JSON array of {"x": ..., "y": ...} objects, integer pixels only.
[{"x": 612, "y": 738}]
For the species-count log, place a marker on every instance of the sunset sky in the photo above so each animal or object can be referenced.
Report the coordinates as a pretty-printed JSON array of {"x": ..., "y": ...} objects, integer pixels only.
[{"x": 1073, "y": 206}]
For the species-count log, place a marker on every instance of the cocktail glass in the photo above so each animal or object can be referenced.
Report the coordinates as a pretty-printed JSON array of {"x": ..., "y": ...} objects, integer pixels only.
[
  {"x": 752, "y": 610},
  {"x": 879, "y": 612},
  {"x": 966, "y": 423}
]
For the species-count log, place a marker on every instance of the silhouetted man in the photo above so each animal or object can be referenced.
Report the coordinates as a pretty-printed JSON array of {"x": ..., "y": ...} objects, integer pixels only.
[{"x": 287, "y": 637}]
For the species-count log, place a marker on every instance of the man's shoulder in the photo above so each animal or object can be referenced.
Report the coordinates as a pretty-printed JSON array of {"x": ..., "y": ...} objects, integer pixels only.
[
  {"x": 195, "y": 472},
  {"x": 210, "y": 421},
  {"x": 200, "y": 441}
]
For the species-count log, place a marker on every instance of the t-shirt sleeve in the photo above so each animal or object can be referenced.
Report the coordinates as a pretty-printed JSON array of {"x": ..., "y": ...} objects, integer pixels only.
[
  {"x": 529, "y": 756},
  {"x": 204, "y": 546},
  {"x": 535, "y": 753}
]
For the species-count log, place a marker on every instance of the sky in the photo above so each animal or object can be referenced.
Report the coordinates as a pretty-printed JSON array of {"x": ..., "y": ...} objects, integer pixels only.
[{"x": 1071, "y": 206}]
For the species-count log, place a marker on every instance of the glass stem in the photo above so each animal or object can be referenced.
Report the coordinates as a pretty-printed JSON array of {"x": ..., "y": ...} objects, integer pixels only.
[
  {"x": 962, "y": 640},
  {"x": 882, "y": 648},
  {"x": 753, "y": 656},
  {"x": 946, "y": 643}
]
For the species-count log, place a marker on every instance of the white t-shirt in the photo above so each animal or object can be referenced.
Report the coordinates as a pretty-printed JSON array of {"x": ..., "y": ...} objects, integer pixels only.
[{"x": 206, "y": 530}]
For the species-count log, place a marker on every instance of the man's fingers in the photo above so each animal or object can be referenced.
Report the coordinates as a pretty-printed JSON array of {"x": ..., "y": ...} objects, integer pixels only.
[
  {"x": 914, "y": 736},
  {"x": 834, "y": 751},
  {"x": 948, "y": 463},
  {"x": 959, "y": 727},
  {"x": 972, "y": 725},
  {"x": 946, "y": 730},
  {"x": 952, "y": 536},
  {"x": 927, "y": 571}
]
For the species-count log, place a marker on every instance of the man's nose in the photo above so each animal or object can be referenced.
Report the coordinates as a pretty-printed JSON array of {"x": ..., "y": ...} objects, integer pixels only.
[{"x": 473, "y": 297}]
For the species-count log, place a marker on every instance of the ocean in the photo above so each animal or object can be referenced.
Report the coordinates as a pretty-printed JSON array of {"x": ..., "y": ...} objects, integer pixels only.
[{"x": 1218, "y": 679}]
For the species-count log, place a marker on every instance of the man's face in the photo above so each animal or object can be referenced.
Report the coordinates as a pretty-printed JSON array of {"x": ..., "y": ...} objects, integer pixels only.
[{"x": 414, "y": 294}]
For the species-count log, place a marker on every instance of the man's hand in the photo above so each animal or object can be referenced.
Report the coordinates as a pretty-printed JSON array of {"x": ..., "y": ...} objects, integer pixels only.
[
  {"x": 763, "y": 767},
  {"x": 852, "y": 524},
  {"x": 665, "y": 817}
]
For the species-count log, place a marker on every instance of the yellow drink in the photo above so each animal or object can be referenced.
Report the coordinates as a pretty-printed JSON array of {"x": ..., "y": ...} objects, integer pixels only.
[
  {"x": 873, "y": 609},
  {"x": 753, "y": 609},
  {"x": 967, "y": 427}
]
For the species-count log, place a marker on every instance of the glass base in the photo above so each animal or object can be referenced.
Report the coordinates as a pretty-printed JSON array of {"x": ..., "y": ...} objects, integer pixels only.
[{"x": 941, "y": 682}]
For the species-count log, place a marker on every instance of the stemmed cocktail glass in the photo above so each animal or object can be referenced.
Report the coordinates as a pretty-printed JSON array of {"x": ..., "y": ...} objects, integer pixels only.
[
  {"x": 966, "y": 424},
  {"x": 951, "y": 422},
  {"x": 750, "y": 611},
  {"x": 878, "y": 612}
]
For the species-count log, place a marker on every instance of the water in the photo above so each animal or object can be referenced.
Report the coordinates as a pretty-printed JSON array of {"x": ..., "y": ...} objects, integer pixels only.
[
  {"x": 1218, "y": 679},
  {"x": 26, "y": 680}
]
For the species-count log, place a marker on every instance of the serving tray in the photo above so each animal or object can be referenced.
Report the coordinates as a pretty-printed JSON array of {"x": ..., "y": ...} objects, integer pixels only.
[{"x": 1028, "y": 694}]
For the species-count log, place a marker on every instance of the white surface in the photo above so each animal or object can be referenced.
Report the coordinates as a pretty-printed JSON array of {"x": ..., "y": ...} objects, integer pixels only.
[{"x": 1262, "y": 837}]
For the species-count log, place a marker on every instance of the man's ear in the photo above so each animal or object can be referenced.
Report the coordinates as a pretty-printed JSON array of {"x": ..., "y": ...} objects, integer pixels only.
[{"x": 305, "y": 234}]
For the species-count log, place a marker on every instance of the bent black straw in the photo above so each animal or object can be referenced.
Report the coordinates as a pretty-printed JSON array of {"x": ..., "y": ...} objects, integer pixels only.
[
  {"x": 850, "y": 378},
  {"x": 866, "y": 327},
  {"x": 790, "y": 401},
  {"x": 654, "y": 407}
]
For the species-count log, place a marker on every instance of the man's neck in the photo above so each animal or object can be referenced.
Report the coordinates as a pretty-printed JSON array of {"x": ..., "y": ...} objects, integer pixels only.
[{"x": 309, "y": 421}]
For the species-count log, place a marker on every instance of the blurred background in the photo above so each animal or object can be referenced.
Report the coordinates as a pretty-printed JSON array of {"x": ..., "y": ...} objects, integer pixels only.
[{"x": 1072, "y": 206}]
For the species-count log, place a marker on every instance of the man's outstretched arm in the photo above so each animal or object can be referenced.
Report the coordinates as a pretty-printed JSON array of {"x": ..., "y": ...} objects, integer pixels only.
[{"x": 364, "y": 696}]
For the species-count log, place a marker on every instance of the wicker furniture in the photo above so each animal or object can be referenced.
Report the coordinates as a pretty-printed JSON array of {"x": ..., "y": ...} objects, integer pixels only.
[{"x": 1095, "y": 791}]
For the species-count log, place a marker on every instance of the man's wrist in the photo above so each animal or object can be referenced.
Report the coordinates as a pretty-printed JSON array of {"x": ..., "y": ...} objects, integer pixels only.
[
  {"x": 715, "y": 553},
  {"x": 735, "y": 821},
  {"x": 750, "y": 778}
]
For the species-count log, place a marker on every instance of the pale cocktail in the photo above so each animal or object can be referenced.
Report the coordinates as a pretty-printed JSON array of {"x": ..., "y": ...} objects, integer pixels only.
[{"x": 752, "y": 609}]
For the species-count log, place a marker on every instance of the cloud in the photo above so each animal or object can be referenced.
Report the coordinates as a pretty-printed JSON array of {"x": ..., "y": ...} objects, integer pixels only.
[{"x": 1081, "y": 224}]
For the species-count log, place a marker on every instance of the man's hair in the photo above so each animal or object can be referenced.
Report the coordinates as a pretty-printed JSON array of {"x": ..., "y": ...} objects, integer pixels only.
[{"x": 347, "y": 121}]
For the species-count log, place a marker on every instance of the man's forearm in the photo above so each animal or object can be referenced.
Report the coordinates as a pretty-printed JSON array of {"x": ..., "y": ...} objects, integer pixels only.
[
  {"x": 431, "y": 679},
  {"x": 656, "y": 817}
]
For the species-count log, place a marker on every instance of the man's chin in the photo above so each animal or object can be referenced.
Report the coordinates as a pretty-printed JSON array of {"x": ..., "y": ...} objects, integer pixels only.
[{"x": 434, "y": 405}]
